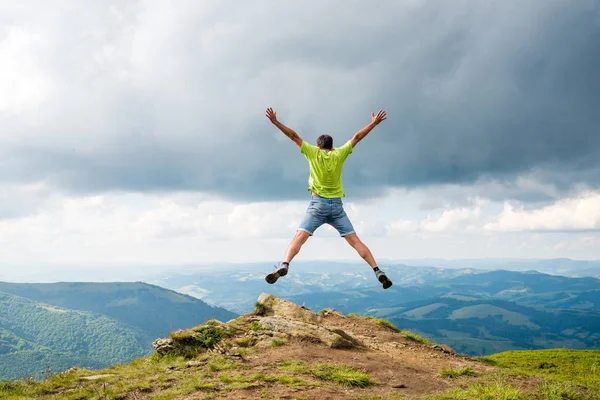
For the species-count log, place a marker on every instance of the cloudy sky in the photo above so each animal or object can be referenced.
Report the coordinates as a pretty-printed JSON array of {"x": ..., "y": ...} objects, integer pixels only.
[{"x": 135, "y": 133}]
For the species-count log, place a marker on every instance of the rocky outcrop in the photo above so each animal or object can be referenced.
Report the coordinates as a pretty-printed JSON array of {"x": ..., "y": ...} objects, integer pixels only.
[
  {"x": 273, "y": 319},
  {"x": 278, "y": 317}
]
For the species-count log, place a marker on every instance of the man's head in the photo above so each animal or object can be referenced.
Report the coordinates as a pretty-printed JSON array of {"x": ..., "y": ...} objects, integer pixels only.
[{"x": 325, "y": 142}]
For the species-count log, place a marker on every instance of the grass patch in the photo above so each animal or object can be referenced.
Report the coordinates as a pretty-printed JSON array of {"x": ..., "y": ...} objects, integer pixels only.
[
  {"x": 455, "y": 373},
  {"x": 341, "y": 374},
  {"x": 247, "y": 341},
  {"x": 387, "y": 396},
  {"x": 496, "y": 391},
  {"x": 571, "y": 366},
  {"x": 294, "y": 366},
  {"x": 379, "y": 321},
  {"x": 292, "y": 381},
  {"x": 415, "y": 337},
  {"x": 221, "y": 364},
  {"x": 387, "y": 324},
  {"x": 144, "y": 375},
  {"x": 254, "y": 326},
  {"x": 278, "y": 343}
]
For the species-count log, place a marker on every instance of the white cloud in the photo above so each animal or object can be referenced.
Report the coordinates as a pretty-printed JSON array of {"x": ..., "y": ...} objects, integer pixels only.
[
  {"x": 23, "y": 84},
  {"x": 570, "y": 214},
  {"x": 465, "y": 219}
]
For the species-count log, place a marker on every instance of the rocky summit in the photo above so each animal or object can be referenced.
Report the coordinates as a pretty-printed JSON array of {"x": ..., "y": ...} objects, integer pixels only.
[{"x": 285, "y": 351}]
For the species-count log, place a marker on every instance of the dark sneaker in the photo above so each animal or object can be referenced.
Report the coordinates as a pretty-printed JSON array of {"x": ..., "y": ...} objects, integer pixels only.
[
  {"x": 273, "y": 276},
  {"x": 382, "y": 277}
]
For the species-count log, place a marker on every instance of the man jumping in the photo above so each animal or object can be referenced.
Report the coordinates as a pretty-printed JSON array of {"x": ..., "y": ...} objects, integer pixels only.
[{"x": 326, "y": 189}]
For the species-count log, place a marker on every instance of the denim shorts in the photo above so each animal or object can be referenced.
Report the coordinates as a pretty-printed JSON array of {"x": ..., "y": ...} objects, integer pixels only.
[{"x": 326, "y": 211}]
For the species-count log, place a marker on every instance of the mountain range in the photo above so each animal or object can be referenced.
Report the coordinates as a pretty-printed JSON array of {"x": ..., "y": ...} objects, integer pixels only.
[{"x": 476, "y": 311}]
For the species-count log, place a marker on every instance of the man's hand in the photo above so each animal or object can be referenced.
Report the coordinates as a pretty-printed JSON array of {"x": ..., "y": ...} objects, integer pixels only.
[
  {"x": 376, "y": 119},
  {"x": 272, "y": 115},
  {"x": 286, "y": 131}
]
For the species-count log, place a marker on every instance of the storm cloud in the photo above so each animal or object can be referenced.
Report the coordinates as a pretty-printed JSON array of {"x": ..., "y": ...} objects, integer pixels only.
[{"x": 150, "y": 97}]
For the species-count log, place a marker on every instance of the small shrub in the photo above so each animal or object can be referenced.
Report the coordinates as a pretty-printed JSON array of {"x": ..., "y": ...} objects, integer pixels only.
[
  {"x": 264, "y": 308},
  {"x": 210, "y": 336},
  {"x": 261, "y": 309},
  {"x": 202, "y": 336},
  {"x": 455, "y": 373},
  {"x": 277, "y": 343}
]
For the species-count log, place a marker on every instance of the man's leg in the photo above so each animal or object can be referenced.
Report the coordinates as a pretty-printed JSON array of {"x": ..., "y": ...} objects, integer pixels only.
[
  {"x": 361, "y": 248},
  {"x": 365, "y": 253},
  {"x": 313, "y": 219},
  {"x": 291, "y": 252},
  {"x": 295, "y": 245}
]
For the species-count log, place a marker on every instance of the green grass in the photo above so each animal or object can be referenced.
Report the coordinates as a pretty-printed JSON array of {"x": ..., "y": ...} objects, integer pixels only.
[
  {"x": 254, "y": 326},
  {"x": 379, "y": 321},
  {"x": 247, "y": 341},
  {"x": 565, "y": 365},
  {"x": 387, "y": 324},
  {"x": 221, "y": 364},
  {"x": 500, "y": 389},
  {"x": 455, "y": 373},
  {"x": 278, "y": 343},
  {"x": 495, "y": 391},
  {"x": 415, "y": 337},
  {"x": 341, "y": 374},
  {"x": 147, "y": 374},
  {"x": 292, "y": 381},
  {"x": 295, "y": 366}
]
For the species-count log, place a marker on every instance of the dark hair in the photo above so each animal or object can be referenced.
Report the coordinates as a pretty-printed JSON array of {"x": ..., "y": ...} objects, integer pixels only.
[{"x": 325, "y": 142}]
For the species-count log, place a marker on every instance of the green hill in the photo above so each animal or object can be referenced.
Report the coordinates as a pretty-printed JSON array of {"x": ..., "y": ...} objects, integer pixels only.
[
  {"x": 94, "y": 325},
  {"x": 150, "y": 308},
  {"x": 574, "y": 366},
  {"x": 36, "y": 336},
  {"x": 479, "y": 327}
]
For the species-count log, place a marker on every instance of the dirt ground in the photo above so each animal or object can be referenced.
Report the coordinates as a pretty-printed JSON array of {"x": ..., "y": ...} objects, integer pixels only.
[{"x": 403, "y": 368}]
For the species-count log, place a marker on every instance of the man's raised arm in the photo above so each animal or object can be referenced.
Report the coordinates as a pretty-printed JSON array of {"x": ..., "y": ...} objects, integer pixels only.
[
  {"x": 375, "y": 120},
  {"x": 272, "y": 115}
]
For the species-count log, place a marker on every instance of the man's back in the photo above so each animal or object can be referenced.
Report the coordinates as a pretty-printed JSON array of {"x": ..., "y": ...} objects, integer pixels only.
[{"x": 325, "y": 177}]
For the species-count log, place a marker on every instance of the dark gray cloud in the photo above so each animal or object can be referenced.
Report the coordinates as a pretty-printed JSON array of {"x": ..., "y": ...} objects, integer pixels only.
[{"x": 159, "y": 99}]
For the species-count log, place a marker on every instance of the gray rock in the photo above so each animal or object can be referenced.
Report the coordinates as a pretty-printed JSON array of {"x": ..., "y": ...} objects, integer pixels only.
[{"x": 163, "y": 346}]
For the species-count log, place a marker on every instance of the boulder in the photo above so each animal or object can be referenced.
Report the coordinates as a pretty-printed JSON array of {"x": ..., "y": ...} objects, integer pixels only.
[{"x": 270, "y": 305}]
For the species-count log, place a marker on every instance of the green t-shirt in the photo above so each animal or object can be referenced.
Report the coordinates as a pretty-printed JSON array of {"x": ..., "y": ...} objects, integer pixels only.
[{"x": 325, "y": 177}]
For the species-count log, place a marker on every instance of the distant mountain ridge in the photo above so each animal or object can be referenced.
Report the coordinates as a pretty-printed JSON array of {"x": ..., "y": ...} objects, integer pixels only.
[{"x": 429, "y": 290}]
